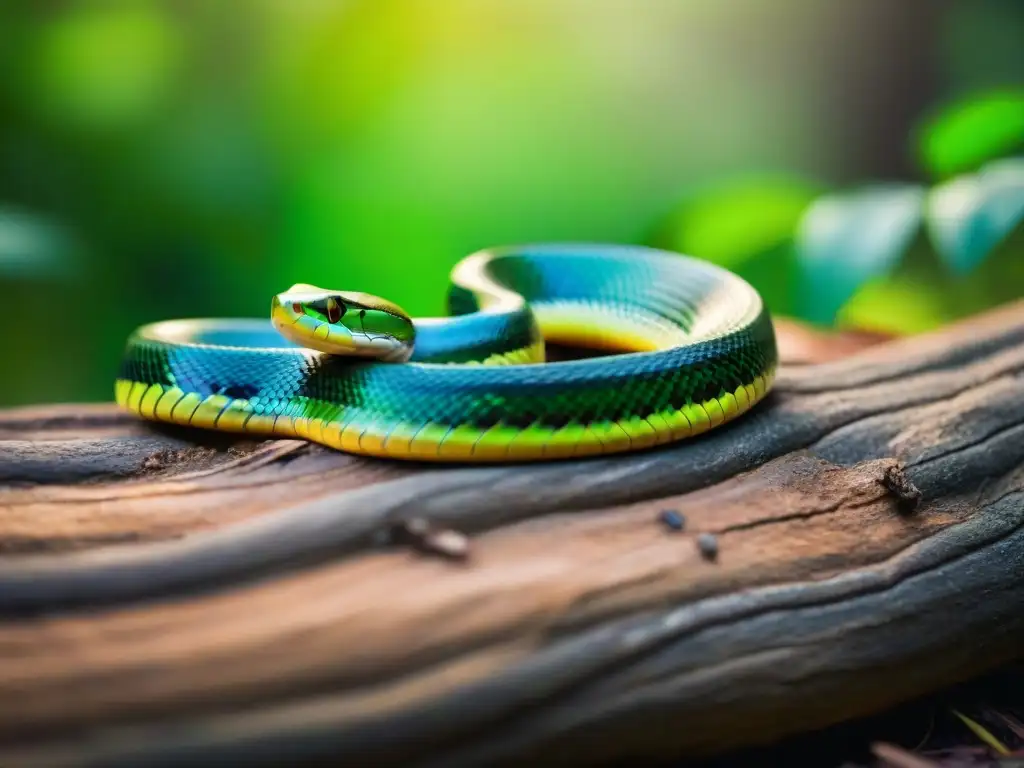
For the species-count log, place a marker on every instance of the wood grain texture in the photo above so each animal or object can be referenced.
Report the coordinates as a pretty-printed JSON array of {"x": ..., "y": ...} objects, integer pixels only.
[{"x": 167, "y": 595}]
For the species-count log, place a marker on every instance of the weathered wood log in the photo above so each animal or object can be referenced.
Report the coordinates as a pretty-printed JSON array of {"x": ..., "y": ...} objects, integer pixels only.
[{"x": 858, "y": 540}]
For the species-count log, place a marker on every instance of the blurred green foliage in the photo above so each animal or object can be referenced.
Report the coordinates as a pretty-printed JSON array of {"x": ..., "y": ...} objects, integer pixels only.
[
  {"x": 907, "y": 258},
  {"x": 971, "y": 215},
  {"x": 746, "y": 224},
  {"x": 163, "y": 159},
  {"x": 893, "y": 256},
  {"x": 962, "y": 137},
  {"x": 845, "y": 240}
]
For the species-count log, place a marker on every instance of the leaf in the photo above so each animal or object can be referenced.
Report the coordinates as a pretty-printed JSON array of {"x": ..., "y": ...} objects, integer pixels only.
[
  {"x": 970, "y": 215},
  {"x": 732, "y": 222},
  {"x": 972, "y": 132},
  {"x": 920, "y": 295},
  {"x": 845, "y": 240},
  {"x": 983, "y": 733},
  {"x": 899, "y": 304}
]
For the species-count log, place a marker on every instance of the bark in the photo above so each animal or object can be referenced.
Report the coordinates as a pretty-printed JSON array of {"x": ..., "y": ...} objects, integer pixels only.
[{"x": 855, "y": 541}]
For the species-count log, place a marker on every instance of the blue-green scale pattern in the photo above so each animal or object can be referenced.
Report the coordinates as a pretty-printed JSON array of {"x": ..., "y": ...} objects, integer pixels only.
[{"x": 293, "y": 382}]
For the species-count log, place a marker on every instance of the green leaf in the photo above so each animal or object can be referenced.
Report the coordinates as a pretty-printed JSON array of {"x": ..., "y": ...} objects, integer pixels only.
[
  {"x": 983, "y": 733},
  {"x": 734, "y": 221},
  {"x": 971, "y": 215},
  {"x": 966, "y": 135},
  {"x": 845, "y": 240},
  {"x": 897, "y": 304}
]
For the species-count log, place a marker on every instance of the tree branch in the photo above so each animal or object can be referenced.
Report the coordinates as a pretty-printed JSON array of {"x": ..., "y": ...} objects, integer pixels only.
[{"x": 167, "y": 593}]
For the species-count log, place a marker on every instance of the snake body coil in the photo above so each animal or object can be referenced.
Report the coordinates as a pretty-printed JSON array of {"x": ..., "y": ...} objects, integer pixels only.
[{"x": 694, "y": 348}]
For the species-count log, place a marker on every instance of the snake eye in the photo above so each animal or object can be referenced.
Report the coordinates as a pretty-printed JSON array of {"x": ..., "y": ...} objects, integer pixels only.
[
  {"x": 334, "y": 310},
  {"x": 297, "y": 308}
]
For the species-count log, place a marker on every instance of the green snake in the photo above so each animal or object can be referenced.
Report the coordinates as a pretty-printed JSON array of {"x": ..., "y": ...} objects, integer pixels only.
[{"x": 687, "y": 346}]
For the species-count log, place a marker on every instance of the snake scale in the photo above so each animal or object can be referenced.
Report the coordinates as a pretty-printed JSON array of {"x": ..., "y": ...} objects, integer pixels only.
[{"x": 688, "y": 346}]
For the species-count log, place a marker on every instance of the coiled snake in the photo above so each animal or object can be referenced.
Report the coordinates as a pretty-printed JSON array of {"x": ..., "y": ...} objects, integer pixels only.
[{"x": 692, "y": 346}]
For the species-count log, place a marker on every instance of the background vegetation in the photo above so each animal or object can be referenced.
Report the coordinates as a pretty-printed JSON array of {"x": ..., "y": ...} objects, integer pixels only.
[{"x": 163, "y": 159}]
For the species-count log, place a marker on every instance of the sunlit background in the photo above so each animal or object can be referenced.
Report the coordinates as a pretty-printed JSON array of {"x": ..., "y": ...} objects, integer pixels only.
[{"x": 168, "y": 159}]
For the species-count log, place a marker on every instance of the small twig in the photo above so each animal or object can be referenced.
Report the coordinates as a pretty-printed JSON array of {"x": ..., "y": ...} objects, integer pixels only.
[
  {"x": 898, "y": 757},
  {"x": 899, "y": 485},
  {"x": 1012, "y": 723},
  {"x": 928, "y": 733}
]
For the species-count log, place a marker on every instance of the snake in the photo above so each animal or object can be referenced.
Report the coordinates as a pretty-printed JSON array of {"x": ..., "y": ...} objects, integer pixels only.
[{"x": 679, "y": 346}]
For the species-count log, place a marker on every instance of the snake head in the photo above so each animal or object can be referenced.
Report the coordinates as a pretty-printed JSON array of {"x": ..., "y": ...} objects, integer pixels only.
[{"x": 343, "y": 323}]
